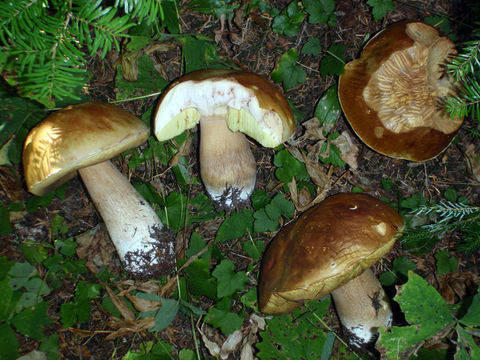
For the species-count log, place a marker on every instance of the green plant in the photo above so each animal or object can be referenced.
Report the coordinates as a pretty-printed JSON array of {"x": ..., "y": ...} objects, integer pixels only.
[
  {"x": 429, "y": 317},
  {"x": 464, "y": 67}
]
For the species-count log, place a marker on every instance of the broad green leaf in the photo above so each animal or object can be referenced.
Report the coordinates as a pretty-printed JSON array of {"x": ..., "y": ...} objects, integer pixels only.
[
  {"x": 312, "y": 46},
  {"x": 5, "y": 266},
  {"x": 295, "y": 336},
  {"x": 197, "y": 244},
  {"x": 8, "y": 343},
  {"x": 472, "y": 317},
  {"x": 289, "y": 21},
  {"x": 320, "y": 11},
  {"x": 467, "y": 348},
  {"x": 327, "y": 110},
  {"x": 399, "y": 273},
  {"x": 200, "y": 281},
  {"x": 221, "y": 317},
  {"x": 259, "y": 199},
  {"x": 425, "y": 311},
  {"x": 164, "y": 315},
  {"x": 380, "y": 8},
  {"x": 31, "y": 321},
  {"x": 228, "y": 279},
  {"x": 254, "y": 248},
  {"x": 263, "y": 222},
  {"x": 20, "y": 273},
  {"x": 333, "y": 156},
  {"x": 287, "y": 70},
  {"x": 50, "y": 347},
  {"x": 5, "y": 226},
  {"x": 445, "y": 262},
  {"x": 450, "y": 194},
  {"x": 250, "y": 298},
  {"x": 175, "y": 210},
  {"x": 186, "y": 354},
  {"x": 280, "y": 206},
  {"x": 239, "y": 223},
  {"x": 6, "y": 299},
  {"x": 333, "y": 63},
  {"x": 288, "y": 167},
  {"x": 171, "y": 16},
  {"x": 215, "y": 7}
]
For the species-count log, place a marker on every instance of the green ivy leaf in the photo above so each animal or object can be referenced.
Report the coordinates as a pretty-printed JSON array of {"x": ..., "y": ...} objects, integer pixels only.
[
  {"x": 327, "y": 110},
  {"x": 425, "y": 311},
  {"x": 31, "y": 321},
  {"x": 472, "y": 317},
  {"x": 8, "y": 343},
  {"x": 263, "y": 222},
  {"x": 280, "y": 206},
  {"x": 312, "y": 46},
  {"x": 445, "y": 262},
  {"x": 228, "y": 279},
  {"x": 467, "y": 348},
  {"x": 333, "y": 63},
  {"x": 295, "y": 336},
  {"x": 200, "y": 281},
  {"x": 288, "y": 167},
  {"x": 254, "y": 249},
  {"x": 289, "y": 21},
  {"x": 5, "y": 226},
  {"x": 287, "y": 70},
  {"x": 237, "y": 225},
  {"x": 380, "y": 8},
  {"x": 320, "y": 11},
  {"x": 221, "y": 317}
]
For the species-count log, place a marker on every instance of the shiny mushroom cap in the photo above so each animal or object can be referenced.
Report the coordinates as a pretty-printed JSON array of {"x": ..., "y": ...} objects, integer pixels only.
[
  {"x": 324, "y": 248},
  {"x": 250, "y": 103},
  {"x": 75, "y": 137},
  {"x": 392, "y": 95}
]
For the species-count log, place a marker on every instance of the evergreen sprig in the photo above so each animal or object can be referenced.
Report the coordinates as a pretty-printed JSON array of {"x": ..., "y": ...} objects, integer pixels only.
[
  {"x": 457, "y": 217},
  {"x": 464, "y": 68},
  {"x": 46, "y": 44}
]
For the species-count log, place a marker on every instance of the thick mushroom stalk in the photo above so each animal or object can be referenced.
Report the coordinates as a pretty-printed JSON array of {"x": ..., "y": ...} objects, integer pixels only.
[
  {"x": 142, "y": 242},
  {"x": 227, "y": 165},
  {"x": 329, "y": 249},
  {"x": 83, "y": 138},
  {"x": 227, "y": 104},
  {"x": 362, "y": 307}
]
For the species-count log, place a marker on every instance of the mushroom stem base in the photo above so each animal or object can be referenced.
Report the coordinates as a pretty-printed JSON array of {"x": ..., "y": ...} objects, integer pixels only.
[
  {"x": 227, "y": 165},
  {"x": 362, "y": 307},
  {"x": 142, "y": 243}
]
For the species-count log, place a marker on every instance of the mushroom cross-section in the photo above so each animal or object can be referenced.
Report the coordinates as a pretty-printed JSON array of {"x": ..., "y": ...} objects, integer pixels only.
[
  {"x": 83, "y": 138},
  {"x": 329, "y": 249},
  {"x": 227, "y": 104},
  {"x": 392, "y": 95}
]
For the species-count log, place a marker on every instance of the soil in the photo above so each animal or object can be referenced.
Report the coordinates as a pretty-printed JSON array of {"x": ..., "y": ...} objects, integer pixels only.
[{"x": 248, "y": 42}]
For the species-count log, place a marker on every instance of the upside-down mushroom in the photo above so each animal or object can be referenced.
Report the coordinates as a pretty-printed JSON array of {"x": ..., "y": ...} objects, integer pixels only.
[
  {"x": 393, "y": 95},
  {"x": 83, "y": 138}
]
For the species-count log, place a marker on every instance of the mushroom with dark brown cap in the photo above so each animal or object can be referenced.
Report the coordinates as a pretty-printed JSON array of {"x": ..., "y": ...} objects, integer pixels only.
[
  {"x": 329, "y": 249},
  {"x": 83, "y": 138},
  {"x": 227, "y": 104},
  {"x": 392, "y": 95}
]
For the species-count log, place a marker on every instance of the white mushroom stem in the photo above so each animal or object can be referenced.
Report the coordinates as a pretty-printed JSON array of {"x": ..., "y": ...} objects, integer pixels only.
[
  {"x": 227, "y": 165},
  {"x": 134, "y": 227},
  {"x": 362, "y": 307}
]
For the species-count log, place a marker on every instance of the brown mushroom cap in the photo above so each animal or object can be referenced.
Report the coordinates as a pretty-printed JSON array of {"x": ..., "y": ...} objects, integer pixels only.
[
  {"x": 75, "y": 137},
  {"x": 324, "y": 248},
  {"x": 253, "y": 105},
  {"x": 392, "y": 94}
]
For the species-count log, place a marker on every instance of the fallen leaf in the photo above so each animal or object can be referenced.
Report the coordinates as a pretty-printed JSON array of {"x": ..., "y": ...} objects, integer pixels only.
[
  {"x": 348, "y": 150},
  {"x": 473, "y": 160},
  {"x": 120, "y": 305},
  {"x": 96, "y": 248}
]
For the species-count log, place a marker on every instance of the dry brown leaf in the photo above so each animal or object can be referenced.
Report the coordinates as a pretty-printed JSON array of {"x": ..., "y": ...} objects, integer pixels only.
[
  {"x": 231, "y": 344},
  {"x": 120, "y": 305},
  {"x": 126, "y": 327},
  {"x": 96, "y": 247},
  {"x": 143, "y": 305},
  {"x": 183, "y": 150},
  {"x": 473, "y": 160},
  {"x": 348, "y": 150}
]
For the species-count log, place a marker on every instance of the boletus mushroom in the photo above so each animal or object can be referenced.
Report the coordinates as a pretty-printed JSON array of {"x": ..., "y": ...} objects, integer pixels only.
[
  {"x": 227, "y": 104},
  {"x": 392, "y": 95},
  {"x": 329, "y": 249},
  {"x": 84, "y": 138}
]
